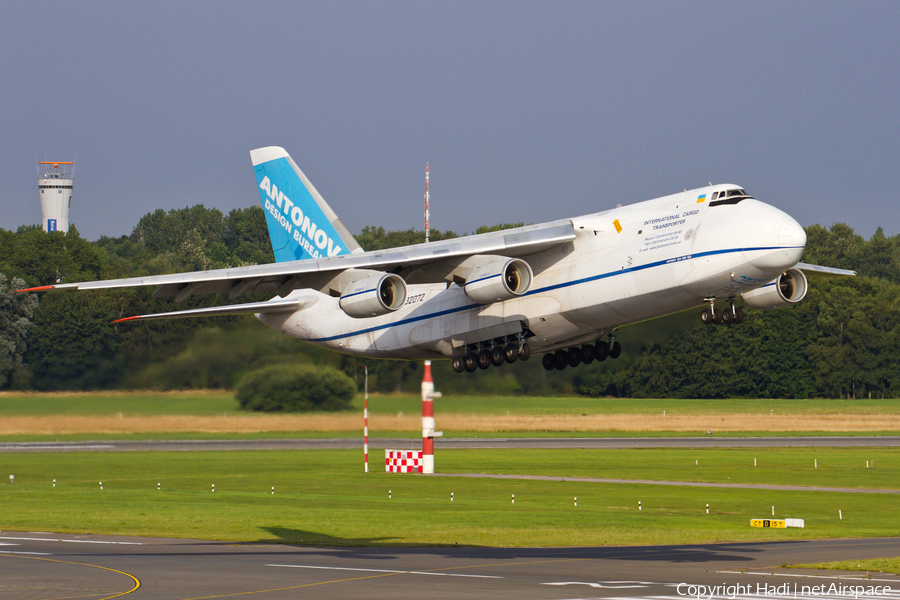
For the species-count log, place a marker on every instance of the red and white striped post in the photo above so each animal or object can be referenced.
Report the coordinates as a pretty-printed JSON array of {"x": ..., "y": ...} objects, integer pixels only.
[
  {"x": 366, "y": 420},
  {"x": 428, "y": 396}
]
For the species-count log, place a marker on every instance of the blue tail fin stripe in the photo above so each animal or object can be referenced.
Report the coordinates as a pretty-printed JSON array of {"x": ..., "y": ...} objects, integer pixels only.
[{"x": 298, "y": 227}]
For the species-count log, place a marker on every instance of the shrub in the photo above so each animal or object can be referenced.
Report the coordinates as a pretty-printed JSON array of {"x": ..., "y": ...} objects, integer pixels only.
[{"x": 295, "y": 388}]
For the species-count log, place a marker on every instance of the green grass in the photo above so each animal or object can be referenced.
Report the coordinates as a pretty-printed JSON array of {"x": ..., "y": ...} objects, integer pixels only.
[
  {"x": 323, "y": 497},
  {"x": 820, "y": 467},
  {"x": 877, "y": 565},
  {"x": 202, "y": 403},
  {"x": 216, "y": 402}
]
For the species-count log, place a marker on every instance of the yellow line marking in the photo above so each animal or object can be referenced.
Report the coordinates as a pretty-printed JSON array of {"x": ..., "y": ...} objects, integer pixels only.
[{"x": 137, "y": 582}]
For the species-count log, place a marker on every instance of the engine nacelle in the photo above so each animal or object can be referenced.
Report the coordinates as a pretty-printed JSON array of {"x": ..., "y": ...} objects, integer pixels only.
[
  {"x": 376, "y": 295},
  {"x": 499, "y": 280},
  {"x": 788, "y": 288}
]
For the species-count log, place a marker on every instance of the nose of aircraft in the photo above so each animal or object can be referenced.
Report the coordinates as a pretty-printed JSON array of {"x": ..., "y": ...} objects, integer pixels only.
[
  {"x": 778, "y": 239},
  {"x": 792, "y": 239}
]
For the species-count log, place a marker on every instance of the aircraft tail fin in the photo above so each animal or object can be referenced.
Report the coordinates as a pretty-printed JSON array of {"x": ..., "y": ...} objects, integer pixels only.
[{"x": 301, "y": 224}]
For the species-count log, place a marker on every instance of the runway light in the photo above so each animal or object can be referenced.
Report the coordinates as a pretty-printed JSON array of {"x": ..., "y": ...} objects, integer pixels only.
[
  {"x": 54, "y": 483},
  {"x": 576, "y": 500},
  {"x": 273, "y": 490},
  {"x": 514, "y": 499},
  {"x": 639, "y": 505},
  {"x": 214, "y": 488},
  {"x": 451, "y": 496},
  {"x": 12, "y": 478},
  {"x": 101, "y": 485},
  {"x": 158, "y": 486},
  {"x": 390, "y": 492},
  {"x": 707, "y": 508}
]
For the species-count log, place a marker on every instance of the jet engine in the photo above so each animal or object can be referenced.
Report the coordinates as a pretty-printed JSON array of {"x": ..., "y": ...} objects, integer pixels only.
[
  {"x": 373, "y": 296},
  {"x": 499, "y": 280},
  {"x": 788, "y": 288}
]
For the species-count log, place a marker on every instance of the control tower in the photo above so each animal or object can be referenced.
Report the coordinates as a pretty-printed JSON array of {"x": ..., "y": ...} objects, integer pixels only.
[{"x": 55, "y": 182}]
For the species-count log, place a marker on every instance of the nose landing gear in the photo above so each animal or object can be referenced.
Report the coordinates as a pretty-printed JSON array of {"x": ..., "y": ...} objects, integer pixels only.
[{"x": 713, "y": 316}]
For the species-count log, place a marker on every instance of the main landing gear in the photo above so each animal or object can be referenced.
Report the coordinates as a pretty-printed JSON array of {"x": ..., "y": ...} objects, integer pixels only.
[
  {"x": 492, "y": 353},
  {"x": 714, "y": 316},
  {"x": 588, "y": 353}
]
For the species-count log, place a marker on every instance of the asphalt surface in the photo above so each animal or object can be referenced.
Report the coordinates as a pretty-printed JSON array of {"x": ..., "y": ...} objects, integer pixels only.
[
  {"x": 460, "y": 443},
  {"x": 61, "y": 566}
]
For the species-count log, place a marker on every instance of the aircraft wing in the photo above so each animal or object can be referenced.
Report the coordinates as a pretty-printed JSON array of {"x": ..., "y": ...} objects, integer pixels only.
[
  {"x": 816, "y": 270},
  {"x": 251, "y": 308},
  {"x": 424, "y": 263}
]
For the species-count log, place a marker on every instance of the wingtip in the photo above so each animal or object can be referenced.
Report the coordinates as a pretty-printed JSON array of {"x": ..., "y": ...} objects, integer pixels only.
[
  {"x": 122, "y": 320},
  {"x": 40, "y": 288}
]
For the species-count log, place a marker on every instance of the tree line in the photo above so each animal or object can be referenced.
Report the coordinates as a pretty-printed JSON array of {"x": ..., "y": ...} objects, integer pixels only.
[{"x": 843, "y": 340}]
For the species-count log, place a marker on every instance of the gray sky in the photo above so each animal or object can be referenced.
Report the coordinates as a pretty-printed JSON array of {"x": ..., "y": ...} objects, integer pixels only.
[{"x": 526, "y": 111}]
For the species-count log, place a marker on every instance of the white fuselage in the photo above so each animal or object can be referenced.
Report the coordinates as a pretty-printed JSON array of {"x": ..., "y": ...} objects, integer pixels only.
[{"x": 625, "y": 265}]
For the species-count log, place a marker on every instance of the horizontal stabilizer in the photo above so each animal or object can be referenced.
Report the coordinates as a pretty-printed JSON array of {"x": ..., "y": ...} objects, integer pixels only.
[
  {"x": 824, "y": 271},
  {"x": 287, "y": 305}
]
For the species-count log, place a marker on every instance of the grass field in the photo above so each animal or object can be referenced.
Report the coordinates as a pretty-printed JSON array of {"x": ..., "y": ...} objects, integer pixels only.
[
  {"x": 323, "y": 497},
  {"x": 216, "y": 414},
  {"x": 878, "y": 565}
]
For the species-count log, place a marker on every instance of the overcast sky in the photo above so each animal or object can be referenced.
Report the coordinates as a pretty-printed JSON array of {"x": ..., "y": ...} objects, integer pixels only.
[{"x": 526, "y": 111}]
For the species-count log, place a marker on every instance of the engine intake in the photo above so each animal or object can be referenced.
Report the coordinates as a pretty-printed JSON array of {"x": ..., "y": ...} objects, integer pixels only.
[
  {"x": 788, "y": 288},
  {"x": 499, "y": 280},
  {"x": 373, "y": 296}
]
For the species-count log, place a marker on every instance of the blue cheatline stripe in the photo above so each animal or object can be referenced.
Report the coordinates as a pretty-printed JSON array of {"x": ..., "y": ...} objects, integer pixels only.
[
  {"x": 552, "y": 287},
  {"x": 358, "y": 293},
  {"x": 402, "y": 322},
  {"x": 483, "y": 279}
]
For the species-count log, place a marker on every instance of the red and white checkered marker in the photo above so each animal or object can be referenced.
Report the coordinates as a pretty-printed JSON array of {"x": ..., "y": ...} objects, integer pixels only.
[{"x": 403, "y": 461}]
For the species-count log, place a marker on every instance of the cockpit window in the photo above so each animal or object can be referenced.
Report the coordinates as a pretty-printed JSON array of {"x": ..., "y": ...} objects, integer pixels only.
[{"x": 730, "y": 197}]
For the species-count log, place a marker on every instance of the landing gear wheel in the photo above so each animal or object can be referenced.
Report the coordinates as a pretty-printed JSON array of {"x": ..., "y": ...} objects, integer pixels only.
[
  {"x": 562, "y": 359},
  {"x": 512, "y": 353},
  {"x": 484, "y": 359},
  {"x": 588, "y": 354},
  {"x": 738, "y": 315},
  {"x": 549, "y": 361},
  {"x": 602, "y": 350},
  {"x": 727, "y": 316},
  {"x": 471, "y": 361},
  {"x": 575, "y": 356},
  {"x": 525, "y": 352},
  {"x": 615, "y": 350},
  {"x": 498, "y": 356},
  {"x": 706, "y": 316},
  {"x": 459, "y": 363}
]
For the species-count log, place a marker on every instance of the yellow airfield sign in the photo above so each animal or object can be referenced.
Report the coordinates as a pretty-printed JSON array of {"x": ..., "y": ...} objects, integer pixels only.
[{"x": 777, "y": 523}]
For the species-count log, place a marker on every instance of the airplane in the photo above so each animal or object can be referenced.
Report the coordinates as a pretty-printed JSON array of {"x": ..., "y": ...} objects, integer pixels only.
[{"x": 561, "y": 289}]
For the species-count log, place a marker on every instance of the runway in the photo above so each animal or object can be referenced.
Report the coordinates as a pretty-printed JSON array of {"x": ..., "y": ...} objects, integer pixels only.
[
  {"x": 57, "y": 566},
  {"x": 456, "y": 443}
]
